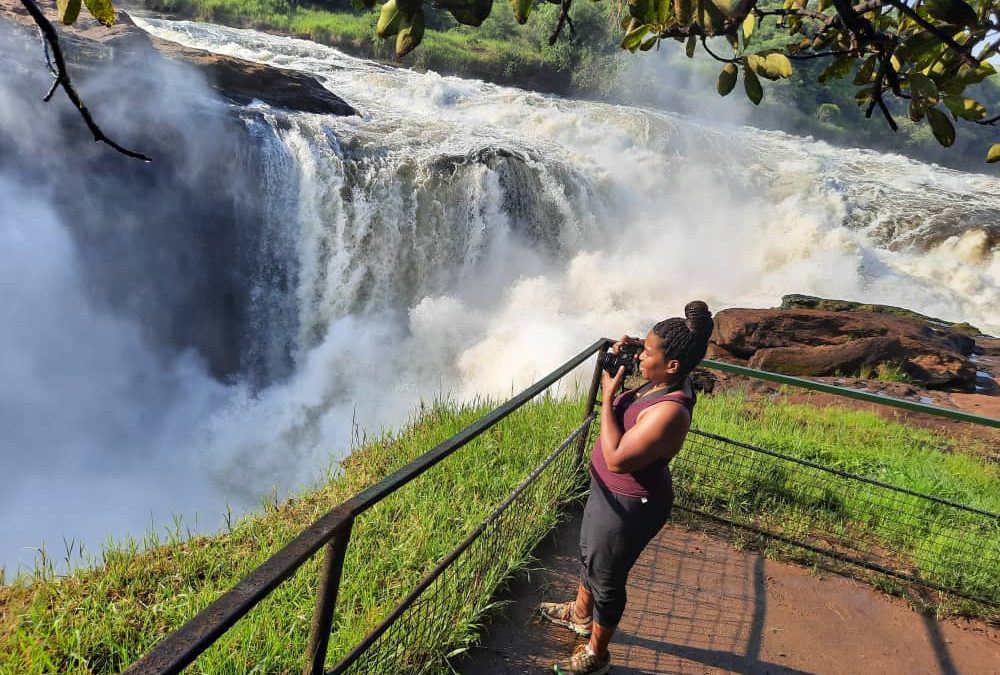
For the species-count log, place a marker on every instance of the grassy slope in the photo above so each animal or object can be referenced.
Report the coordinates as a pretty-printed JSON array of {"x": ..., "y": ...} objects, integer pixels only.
[{"x": 100, "y": 620}]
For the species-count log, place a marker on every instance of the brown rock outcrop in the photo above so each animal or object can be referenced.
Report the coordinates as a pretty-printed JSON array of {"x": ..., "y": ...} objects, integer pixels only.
[
  {"x": 819, "y": 343},
  {"x": 89, "y": 44}
]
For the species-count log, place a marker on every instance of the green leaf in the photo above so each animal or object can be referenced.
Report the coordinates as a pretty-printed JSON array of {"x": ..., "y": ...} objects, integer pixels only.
[
  {"x": 522, "y": 8},
  {"x": 640, "y": 9},
  {"x": 727, "y": 79},
  {"x": 712, "y": 14},
  {"x": 689, "y": 47},
  {"x": 468, "y": 12},
  {"x": 954, "y": 12},
  {"x": 772, "y": 66},
  {"x": 390, "y": 20},
  {"x": 102, "y": 10},
  {"x": 993, "y": 155},
  {"x": 966, "y": 108},
  {"x": 69, "y": 10},
  {"x": 749, "y": 24},
  {"x": 923, "y": 87},
  {"x": 777, "y": 66},
  {"x": 836, "y": 70},
  {"x": 633, "y": 38},
  {"x": 411, "y": 33},
  {"x": 751, "y": 85},
  {"x": 865, "y": 71},
  {"x": 915, "y": 111},
  {"x": 916, "y": 44},
  {"x": 649, "y": 44},
  {"x": 664, "y": 11},
  {"x": 942, "y": 127},
  {"x": 974, "y": 75}
]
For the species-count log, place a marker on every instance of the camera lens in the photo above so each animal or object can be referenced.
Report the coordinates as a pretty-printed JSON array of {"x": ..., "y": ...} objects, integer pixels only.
[{"x": 612, "y": 362}]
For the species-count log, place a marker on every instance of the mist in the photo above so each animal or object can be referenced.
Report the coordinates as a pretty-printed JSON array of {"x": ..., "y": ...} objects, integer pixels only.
[
  {"x": 224, "y": 323},
  {"x": 106, "y": 325}
]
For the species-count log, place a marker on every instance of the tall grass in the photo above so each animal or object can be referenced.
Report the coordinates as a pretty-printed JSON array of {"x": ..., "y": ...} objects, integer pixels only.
[{"x": 101, "y": 620}]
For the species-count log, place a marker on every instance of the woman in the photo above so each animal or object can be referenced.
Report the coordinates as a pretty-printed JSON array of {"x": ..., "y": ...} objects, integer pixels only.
[{"x": 630, "y": 488}]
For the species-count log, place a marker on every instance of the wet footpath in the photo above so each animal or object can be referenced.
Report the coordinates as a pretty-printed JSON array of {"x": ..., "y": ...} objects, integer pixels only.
[{"x": 698, "y": 605}]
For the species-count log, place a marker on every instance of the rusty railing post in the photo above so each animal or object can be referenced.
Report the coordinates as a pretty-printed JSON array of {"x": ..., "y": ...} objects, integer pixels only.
[
  {"x": 595, "y": 383},
  {"x": 326, "y": 599}
]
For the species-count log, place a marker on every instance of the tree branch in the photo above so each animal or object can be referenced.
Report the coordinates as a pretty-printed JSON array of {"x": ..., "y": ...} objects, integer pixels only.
[
  {"x": 817, "y": 55},
  {"x": 804, "y": 13},
  {"x": 877, "y": 88},
  {"x": 563, "y": 20},
  {"x": 939, "y": 34},
  {"x": 704, "y": 44},
  {"x": 51, "y": 40}
]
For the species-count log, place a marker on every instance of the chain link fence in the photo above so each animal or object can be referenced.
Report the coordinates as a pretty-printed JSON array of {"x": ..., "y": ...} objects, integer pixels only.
[
  {"x": 435, "y": 616},
  {"x": 920, "y": 538}
]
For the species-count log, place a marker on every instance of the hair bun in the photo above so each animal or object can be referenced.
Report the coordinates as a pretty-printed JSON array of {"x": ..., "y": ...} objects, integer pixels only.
[{"x": 699, "y": 318}]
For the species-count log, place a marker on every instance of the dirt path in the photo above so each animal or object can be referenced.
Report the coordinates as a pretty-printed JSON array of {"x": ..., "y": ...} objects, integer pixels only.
[{"x": 696, "y": 605}]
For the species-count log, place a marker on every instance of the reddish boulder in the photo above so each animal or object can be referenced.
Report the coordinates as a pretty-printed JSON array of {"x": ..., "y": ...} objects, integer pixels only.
[
  {"x": 818, "y": 342},
  {"x": 850, "y": 357}
]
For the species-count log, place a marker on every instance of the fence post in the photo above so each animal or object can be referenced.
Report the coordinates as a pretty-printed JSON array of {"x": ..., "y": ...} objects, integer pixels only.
[
  {"x": 595, "y": 383},
  {"x": 326, "y": 600}
]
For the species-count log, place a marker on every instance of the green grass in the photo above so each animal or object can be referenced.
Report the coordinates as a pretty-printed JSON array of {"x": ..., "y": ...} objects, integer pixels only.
[
  {"x": 496, "y": 52},
  {"x": 100, "y": 620},
  {"x": 942, "y": 544},
  {"x": 885, "y": 372}
]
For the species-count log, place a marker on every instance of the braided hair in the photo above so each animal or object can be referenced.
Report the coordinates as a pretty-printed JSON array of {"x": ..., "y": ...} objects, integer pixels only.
[{"x": 686, "y": 339}]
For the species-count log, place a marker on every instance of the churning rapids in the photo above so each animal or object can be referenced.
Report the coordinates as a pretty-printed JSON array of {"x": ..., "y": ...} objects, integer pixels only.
[{"x": 457, "y": 238}]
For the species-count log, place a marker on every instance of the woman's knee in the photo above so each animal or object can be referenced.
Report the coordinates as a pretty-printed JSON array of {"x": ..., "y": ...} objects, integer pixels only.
[{"x": 609, "y": 606}]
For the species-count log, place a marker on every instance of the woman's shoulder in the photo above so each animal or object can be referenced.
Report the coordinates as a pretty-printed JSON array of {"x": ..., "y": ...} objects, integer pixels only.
[{"x": 684, "y": 396}]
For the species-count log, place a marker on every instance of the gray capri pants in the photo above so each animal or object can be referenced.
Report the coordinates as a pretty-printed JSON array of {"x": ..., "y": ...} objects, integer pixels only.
[{"x": 615, "y": 530}]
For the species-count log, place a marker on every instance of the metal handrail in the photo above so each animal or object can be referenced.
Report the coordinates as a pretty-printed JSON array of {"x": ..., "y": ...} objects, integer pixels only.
[
  {"x": 333, "y": 530},
  {"x": 378, "y": 631},
  {"x": 851, "y": 393},
  {"x": 843, "y": 474},
  {"x": 183, "y": 646}
]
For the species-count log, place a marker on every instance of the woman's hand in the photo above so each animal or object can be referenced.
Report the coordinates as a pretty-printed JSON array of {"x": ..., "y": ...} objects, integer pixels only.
[
  {"x": 609, "y": 384},
  {"x": 623, "y": 340}
]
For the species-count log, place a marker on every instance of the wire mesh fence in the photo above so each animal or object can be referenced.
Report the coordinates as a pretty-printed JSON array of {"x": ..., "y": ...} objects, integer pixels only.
[
  {"x": 935, "y": 542},
  {"x": 441, "y": 611}
]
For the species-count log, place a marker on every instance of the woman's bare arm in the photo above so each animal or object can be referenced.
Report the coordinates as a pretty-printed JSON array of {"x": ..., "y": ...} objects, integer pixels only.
[{"x": 658, "y": 432}]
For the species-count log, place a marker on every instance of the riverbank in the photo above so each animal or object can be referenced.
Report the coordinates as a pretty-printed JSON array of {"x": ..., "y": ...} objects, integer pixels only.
[
  {"x": 500, "y": 51},
  {"x": 591, "y": 66}
]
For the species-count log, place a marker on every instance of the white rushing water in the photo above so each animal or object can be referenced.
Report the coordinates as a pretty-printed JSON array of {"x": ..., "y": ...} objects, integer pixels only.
[{"x": 459, "y": 238}]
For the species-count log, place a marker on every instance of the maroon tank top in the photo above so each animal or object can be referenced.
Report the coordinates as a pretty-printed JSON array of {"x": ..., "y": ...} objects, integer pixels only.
[{"x": 654, "y": 478}]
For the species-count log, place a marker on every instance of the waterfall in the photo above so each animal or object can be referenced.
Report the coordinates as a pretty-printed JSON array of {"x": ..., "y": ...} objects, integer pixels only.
[{"x": 454, "y": 239}]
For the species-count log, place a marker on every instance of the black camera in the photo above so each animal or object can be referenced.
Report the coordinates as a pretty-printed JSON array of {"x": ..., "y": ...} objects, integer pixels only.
[{"x": 628, "y": 356}]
